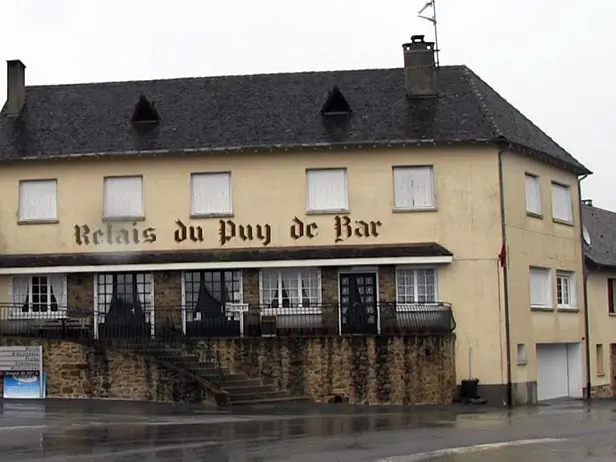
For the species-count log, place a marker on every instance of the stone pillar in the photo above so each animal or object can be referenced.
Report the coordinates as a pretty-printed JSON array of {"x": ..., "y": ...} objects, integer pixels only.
[
  {"x": 387, "y": 297},
  {"x": 329, "y": 294},
  {"x": 80, "y": 295},
  {"x": 252, "y": 319},
  {"x": 168, "y": 299}
]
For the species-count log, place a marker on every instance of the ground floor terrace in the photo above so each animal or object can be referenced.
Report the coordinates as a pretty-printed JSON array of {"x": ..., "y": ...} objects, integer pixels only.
[{"x": 233, "y": 302}]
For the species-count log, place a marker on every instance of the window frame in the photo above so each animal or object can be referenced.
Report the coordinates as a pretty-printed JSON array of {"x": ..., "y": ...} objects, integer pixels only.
[
  {"x": 537, "y": 180},
  {"x": 549, "y": 288},
  {"x": 292, "y": 309},
  {"x": 567, "y": 221},
  {"x": 185, "y": 284},
  {"x": 325, "y": 211},
  {"x": 431, "y": 207},
  {"x": 25, "y": 221},
  {"x": 139, "y": 217},
  {"x": 599, "y": 359},
  {"x": 409, "y": 306},
  {"x": 61, "y": 299},
  {"x": 611, "y": 293},
  {"x": 219, "y": 214},
  {"x": 570, "y": 277}
]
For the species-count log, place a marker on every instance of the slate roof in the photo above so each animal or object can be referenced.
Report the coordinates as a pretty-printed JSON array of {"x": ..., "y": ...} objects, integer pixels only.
[
  {"x": 268, "y": 111},
  {"x": 601, "y": 226}
]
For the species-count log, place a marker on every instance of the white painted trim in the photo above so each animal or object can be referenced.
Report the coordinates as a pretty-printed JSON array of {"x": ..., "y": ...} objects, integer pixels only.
[
  {"x": 151, "y": 307},
  {"x": 195, "y": 266},
  {"x": 183, "y": 298},
  {"x": 417, "y": 267},
  {"x": 290, "y": 311},
  {"x": 95, "y": 304}
]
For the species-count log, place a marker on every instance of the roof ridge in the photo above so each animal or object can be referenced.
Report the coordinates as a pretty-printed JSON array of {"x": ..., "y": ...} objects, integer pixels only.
[
  {"x": 225, "y": 76},
  {"x": 469, "y": 75}
]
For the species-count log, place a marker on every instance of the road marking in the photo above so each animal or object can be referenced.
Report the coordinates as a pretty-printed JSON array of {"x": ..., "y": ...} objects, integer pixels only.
[
  {"x": 23, "y": 427},
  {"x": 468, "y": 449}
]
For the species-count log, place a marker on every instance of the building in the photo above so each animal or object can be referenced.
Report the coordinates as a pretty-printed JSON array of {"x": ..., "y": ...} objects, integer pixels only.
[
  {"x": 599, "y": 239},
  {"x": 317, "y": 203}
]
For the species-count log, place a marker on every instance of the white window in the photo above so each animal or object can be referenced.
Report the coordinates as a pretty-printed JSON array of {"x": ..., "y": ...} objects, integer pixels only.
[
  {"x": 291, "y": 288},
  {"x": 38, "y": 200},
  {"x": 533, "y": 194},
  {"x": 414, "y": 188},
  {"x": 38, "y": 296},
  {"x": 565, "y": 290},
  {"x": 211, "y": 194},
  {"x": 123, "y": 197},
  {"x": 327, "y": 190},
  {"x": 540, "y": 288},
  {"x": 562, "y": 207},
  {"x": 416, "y": 285}
]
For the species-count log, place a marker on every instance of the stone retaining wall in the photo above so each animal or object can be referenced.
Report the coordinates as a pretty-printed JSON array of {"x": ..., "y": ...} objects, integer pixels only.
[
  {"x": 79, "y": 371},
  {"x": 358, "y": 370}
]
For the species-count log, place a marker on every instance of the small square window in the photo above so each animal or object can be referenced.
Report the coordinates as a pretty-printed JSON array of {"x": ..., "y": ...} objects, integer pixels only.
[
  {"x": 211, "y": 194},
  {"x": 565, "y": 290},
  {"x": 600, "y": 359},
  {"x": 562, "y": 205},
  {"x": 123, "y": 198},
  {"x": 38, "y": 201},
  {"x": 533, "y": 194},
  {"x": 521, "y": 352},
  {"x": 327, "y": 190},
  {"x": 540, "y": 288},
  {"x": 414, "y": 188}
]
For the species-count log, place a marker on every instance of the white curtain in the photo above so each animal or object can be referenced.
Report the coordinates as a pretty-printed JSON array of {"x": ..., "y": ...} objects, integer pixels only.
[
  {"x": 105, "y": 293},
  {"x": 57, "y": 286},
  {"x": 21, "y": 288}
]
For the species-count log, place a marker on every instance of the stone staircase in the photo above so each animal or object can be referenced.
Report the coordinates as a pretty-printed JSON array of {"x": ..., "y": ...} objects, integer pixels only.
[{"x": 238, "y": 388}]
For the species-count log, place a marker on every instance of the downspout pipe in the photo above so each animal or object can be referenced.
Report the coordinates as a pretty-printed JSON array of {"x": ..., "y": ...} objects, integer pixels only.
[
  {"x": 505, "y": 280},
  {"x": 585, "y": 291}
]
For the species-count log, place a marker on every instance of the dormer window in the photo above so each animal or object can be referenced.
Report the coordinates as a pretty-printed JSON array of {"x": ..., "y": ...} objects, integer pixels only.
[
  {"x": 145, "y": 112},
  {"x": 336, "y": 103}
]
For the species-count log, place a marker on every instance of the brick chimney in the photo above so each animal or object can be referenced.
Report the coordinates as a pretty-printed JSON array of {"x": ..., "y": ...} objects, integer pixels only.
[
  {"x": 15, "y": 87},
  {"x": 420, "y": 76}
]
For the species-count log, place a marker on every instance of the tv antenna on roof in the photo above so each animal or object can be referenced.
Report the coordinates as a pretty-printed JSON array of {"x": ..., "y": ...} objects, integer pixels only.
[{"x": 430, "y": 4}]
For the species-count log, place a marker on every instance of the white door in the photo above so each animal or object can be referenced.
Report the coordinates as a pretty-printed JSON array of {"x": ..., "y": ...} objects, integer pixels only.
[{"x": 558, "y": 365}]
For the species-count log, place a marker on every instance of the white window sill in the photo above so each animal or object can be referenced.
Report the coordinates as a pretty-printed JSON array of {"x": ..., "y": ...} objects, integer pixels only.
[
  {"x": 414, "y": 209},
  {"x": 38, "y": 221},
  {"x": 328, "y": 212},
  {"x": 136, "y": 218},
  {"x": 541, "y": 308},
  {"x": 290, "y": 311},
  {"x": 560, "y": 221},
  {"x": 568, "y": 308},
  {"x": 206, "y": 215}
]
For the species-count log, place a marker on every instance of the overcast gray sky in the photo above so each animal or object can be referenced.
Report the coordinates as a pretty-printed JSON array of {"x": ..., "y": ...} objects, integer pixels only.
[{"x": 552, "y": 59}]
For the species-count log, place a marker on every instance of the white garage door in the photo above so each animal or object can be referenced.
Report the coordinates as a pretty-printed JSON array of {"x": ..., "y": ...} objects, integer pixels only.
[{"x": 552, "y": 371}]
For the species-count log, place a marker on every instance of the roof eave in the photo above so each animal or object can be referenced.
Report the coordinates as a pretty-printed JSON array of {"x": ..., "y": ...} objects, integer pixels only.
[{"x": 578, "y": 168}]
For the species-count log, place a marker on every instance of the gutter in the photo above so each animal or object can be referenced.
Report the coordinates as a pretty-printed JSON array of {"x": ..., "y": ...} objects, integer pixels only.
[
  {"x": 505, "y": 281},
  {"x": 585, "y": 290}
]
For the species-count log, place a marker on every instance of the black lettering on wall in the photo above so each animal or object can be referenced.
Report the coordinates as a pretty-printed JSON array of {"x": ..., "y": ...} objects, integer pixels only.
[
  {"x": 85, "y": 235},
  {"x": 183, "y": 232},
  {"x": 300, "y": 229},
  {"x": 345, "y": 228},
  {"x": 228, "y": 229}
]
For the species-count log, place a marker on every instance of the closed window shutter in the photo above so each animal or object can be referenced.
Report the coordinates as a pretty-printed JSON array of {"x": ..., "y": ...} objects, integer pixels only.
[
  {"x": 539, "y": 288},
  {"x": 533, "y": 195},
  {"x": 123, "y": 197},
  {"x": 327, "y": 189},
  {"x": 413, "y": 187},
  {"x": 610, "y": 295},
  {"x": 38, "y": 200},
  {"x": 211, "y": 193},
  {"x": 561, "y": 203}
]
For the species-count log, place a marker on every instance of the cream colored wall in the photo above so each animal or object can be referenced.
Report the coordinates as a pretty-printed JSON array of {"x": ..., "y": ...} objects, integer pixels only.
[
  {"x": 270, "y": 189},
  {"x": 602, "y": 324},
  {"x": 539, "y": 242}
]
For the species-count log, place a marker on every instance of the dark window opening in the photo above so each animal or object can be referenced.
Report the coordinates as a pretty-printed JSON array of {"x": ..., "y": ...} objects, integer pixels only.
[
  {"x": 124, "y": 296},
  {"x": 145, "y": 112},
  {"x": 611, "y": 285},
  {"x": 207, "y": 292},
  {"x": 40, "y": 297},
  {"x": 336, "y": 103}
]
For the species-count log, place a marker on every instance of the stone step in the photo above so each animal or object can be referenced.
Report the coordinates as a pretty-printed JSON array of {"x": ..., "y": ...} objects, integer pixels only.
[
  {"x": 257, "y": 395},
  {"x": 266, "y": 401},
  {"x": 231, "y": 378},
  {"x": 227, "y": 384},
  {"x": 250, "y": 389}
]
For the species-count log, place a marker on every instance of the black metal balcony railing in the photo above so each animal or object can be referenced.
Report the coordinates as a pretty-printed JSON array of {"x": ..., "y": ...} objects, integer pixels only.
[{"x": 232, "y": 320}]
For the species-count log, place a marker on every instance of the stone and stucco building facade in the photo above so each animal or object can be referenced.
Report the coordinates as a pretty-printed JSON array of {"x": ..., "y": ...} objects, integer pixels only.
[{"x": 368, "y": 202}]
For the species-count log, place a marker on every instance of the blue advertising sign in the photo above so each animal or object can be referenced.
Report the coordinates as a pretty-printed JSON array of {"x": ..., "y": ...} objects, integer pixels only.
[{"x": 25, "y": 386}]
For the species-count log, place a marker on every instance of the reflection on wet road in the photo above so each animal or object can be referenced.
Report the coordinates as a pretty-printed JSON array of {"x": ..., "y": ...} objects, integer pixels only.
[{"x": 121, "y": 431}]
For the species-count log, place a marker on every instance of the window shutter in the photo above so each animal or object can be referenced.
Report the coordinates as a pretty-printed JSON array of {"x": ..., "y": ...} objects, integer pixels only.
[
  {"x": 539, "y": 288},
  {"x": 561, "y": 203},
  {"x": 211, "y": 193},
  {"x": 38, "y": 200},
  {"x": 327, "y": 190},
  {"x": 533, "y": 195},
  {"x": 123, "y": 197},
  {"x": 413, "y": 187}
]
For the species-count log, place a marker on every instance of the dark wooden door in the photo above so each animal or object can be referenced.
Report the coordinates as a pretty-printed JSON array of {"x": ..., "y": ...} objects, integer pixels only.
[{"x": 358, "y": 303}]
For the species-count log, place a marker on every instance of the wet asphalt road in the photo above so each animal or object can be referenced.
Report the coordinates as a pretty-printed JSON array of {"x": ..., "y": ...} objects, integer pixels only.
[{"x": 119, "y": 431}]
